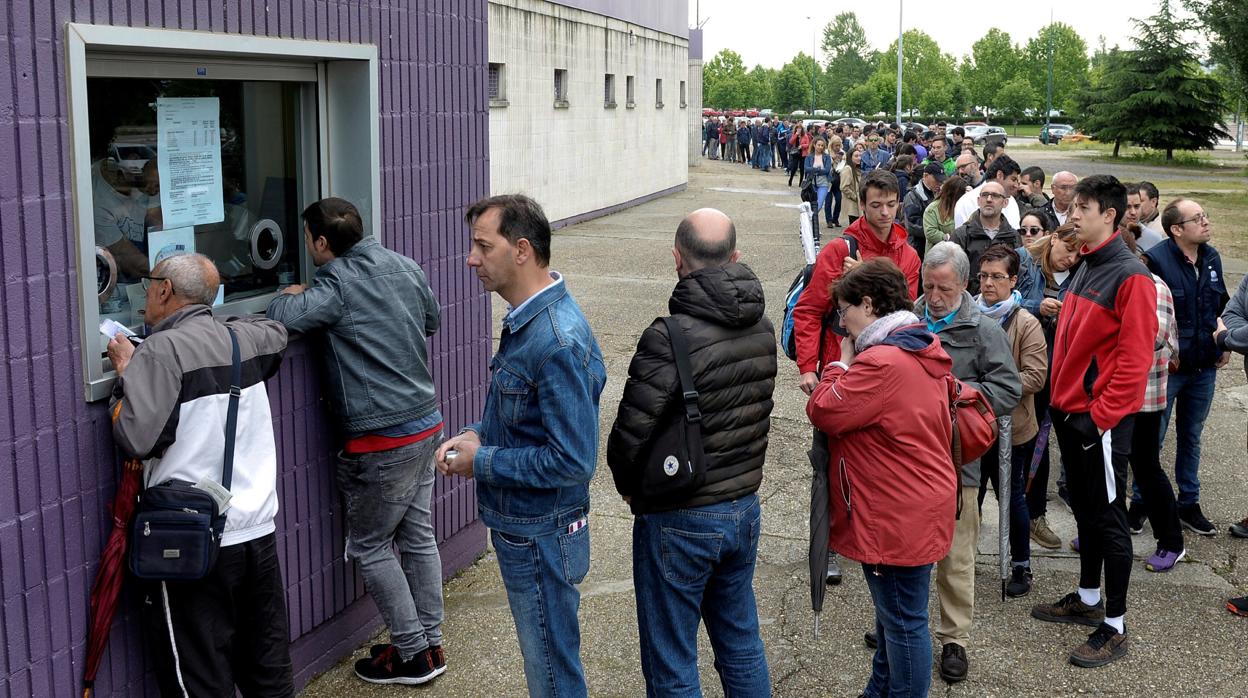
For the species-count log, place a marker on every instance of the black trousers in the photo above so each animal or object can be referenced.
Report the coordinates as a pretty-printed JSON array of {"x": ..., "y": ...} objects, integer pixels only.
[
  {"x": 229, "y": 628},
  {"x": 1154, "y": 484},
  {"x": 1094, "y": 465}
]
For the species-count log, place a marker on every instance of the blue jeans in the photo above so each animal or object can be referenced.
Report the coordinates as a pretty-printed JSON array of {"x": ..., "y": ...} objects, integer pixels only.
[
  {"x": 764, "y": 157},
  {"x": 1194, "y": 393},
  {"x": 541, "y": 574},
  {"x": 902, "y": 666},
  {"x": 691, "y": 564},
  {"x": 387, "y": 505}
]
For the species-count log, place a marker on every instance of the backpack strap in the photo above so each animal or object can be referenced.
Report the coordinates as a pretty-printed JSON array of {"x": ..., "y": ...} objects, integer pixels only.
[
  {"x": 680, "y": 350},
  {"x": 851, "y": 243}
]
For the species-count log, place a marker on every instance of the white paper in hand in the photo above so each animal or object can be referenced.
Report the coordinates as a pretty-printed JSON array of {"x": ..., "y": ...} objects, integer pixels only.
[
  {"x": 110, "y": 328},
  {"x": 807, "y": 232}
]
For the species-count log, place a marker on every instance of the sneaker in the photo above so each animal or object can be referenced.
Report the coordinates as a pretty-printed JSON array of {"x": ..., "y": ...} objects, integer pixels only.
[
  {"x": 1104, "y": 645},
  {"x": 1070, "y": 609},
  {"x": 439, "y": 656},
  {"x": 1238, "y": 606},
  {"x": 1194, "y": 520},
  {"x": 1043, "y": 535},
  {"x": 1064, "y": 495},
  {"x": 953, "y": 664},
  {"x": 1164, "y": 560},
  {"x": 1240, "y": 530},
  {"x": 1074, "y": 544},
  {"x": 1136, "y": 518},
  {"x": 388, "y": 667},
  {"x": 834, "y": 568},
  {"x": 1020, "y": 582},
  {"x": 870, "y": 639}
]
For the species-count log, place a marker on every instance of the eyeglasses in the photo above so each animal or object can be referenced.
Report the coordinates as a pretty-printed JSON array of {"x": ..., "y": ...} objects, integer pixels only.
[
  {"x": 843, "y": 308},
  {"x": 1202, "y": 217},
  {"x": 991, "y": 195},
  {"x": 147, "y": 281},
  {"x": 1031, "y": 230},
  {"x": 995, "y": 277}
]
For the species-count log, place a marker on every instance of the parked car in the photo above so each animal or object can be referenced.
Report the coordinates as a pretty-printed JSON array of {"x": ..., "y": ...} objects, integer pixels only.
[
  {"x": 822, "y": 112},
  {"x": 807, "y": 123},
  {"x": 1053, "y": 133},
  {"x": 974, "y": 123},
  {"x": 130, "y": 158},
  {"x": 913, "y": 126},
  {"x": 850, "y": 121},
  {"x": 991, "y": 133},
  {"x": 800, "y": 112},
  {"x": 765, "y": 112}
]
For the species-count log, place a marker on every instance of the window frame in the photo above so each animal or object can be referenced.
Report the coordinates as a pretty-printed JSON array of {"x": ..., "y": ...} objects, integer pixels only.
[
  {"x": 608, "y": 89},
  {"x": 499, "y": 99},
  {"x": 344, "y": 94},
  {"x": 630, "y": 85},
  {"x": 561, "y": 88},
  {"x": 658, "y": 93}
]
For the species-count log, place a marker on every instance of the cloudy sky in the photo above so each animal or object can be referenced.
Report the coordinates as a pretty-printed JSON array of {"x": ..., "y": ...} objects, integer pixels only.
[{"x": 771, "y": 32}]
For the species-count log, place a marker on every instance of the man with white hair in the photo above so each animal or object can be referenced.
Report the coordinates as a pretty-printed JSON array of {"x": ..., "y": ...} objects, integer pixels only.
[
  {"x": 228, "y": 629},
  {"x": 1063, "y": 189},
  {"x": 982, "y": 358}
]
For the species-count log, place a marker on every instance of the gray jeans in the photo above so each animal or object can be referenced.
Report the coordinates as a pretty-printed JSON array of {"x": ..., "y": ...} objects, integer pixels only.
[{"x": 387, "y": 502}]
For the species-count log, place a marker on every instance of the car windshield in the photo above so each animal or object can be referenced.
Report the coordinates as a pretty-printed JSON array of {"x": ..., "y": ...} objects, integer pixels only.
[{"x": 1064, "y": 127}]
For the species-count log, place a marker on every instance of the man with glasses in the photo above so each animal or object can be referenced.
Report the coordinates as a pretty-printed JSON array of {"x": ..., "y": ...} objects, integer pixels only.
[
  {"x": 967, "y": 165},
  {"x": 873, "y": 156},
  {"x": 986, "y": 227},
  {"x": 1003, "y": 171},
  {"x": 1192, "y": 268}
]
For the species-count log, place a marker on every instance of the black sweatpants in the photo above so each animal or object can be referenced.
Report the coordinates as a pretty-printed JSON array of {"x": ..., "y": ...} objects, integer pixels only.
[
  {"x": 1096, "y": 475},
  {"x": 1154, "y": 484},
  {"x": 229, "y": 628}
]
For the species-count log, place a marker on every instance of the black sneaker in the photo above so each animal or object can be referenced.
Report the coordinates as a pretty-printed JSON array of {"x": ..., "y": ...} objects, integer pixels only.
[
  {"x": 1238, "y": 606},
  {"x": 834, "y": 569},
  {"x": 953, "y": 663},
  {"x": 1194, "y": 520},
  {"x": 1136, "y": 518},
  {"x": 439, "y": 655},
  {"x": 1020, "y": 582},
  {"x": 388, "y": 667},
  {"x": 1104, "y": 645},
  {"x": 1240, "y": 530},
  {"x": 1070, "y": 609}
]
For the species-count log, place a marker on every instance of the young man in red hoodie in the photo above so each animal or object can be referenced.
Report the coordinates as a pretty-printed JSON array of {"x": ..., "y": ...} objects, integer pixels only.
[
  {"x": 877, "y": 235},
  {"x": 1101, "y": 358}
]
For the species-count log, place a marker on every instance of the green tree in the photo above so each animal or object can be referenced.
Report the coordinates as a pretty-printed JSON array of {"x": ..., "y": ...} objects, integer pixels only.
[
  {"x": 959, "y": 99},
  {"x": 1070, "y": 64},
  {"x": 1016, "y": 97},
  {"x": 760, "y": 84},
  {"x": 792, "y": 84},
  {"x": 1226, "y": 23},
  {"x": 1103, "y": 102},
  {"x": 724, "y": 81},
  {"x": 924, "y": 68},
  {"x": 848, "y": 58},
  {"x": 994, "y": 62},
  {"x": 1182, "y": 105},
  {"x": 861, "y": 100}
]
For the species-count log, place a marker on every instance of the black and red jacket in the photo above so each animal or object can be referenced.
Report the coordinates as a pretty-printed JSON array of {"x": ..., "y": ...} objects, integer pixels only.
[{"x": 1105, "y": 331}]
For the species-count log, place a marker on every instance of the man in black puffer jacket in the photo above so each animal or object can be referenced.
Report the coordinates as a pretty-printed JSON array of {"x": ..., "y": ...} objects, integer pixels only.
[{"x": 693, "y": 557}]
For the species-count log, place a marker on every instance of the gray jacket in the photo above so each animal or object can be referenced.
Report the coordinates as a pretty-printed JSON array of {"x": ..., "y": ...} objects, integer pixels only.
[
  {"x": 1235, "y": 316},
  {"x": 982, "y": 359},
  {"x": 374, "y": 310}
]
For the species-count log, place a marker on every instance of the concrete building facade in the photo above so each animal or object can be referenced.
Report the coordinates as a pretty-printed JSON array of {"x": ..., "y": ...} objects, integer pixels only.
[{"x": 590, "y": 102}]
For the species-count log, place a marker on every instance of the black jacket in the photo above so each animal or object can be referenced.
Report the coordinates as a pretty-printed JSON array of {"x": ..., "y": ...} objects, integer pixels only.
[
  {"x": 972, "y": 238},
  {"x": 732, "y": 348},
  {"x": 1199, "y": 298}
]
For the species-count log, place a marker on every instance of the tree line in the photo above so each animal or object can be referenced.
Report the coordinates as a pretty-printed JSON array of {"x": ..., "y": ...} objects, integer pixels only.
[{"x": 1110, "y": 88}]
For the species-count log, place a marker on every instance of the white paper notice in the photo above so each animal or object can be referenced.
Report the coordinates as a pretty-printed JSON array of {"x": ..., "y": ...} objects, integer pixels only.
[
  {"x": 163, "y": 244},
  {"x": 188, "y": 134}
]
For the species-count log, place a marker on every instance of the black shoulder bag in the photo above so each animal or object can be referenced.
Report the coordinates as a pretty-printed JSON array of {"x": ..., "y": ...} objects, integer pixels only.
[
  {"x": 677, "y": 464},
  {"x": 177, "y": 527}
]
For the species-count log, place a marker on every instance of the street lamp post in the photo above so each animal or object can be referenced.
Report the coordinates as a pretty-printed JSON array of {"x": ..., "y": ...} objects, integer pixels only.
[
  {"x": 814, "y": 65},
  {"x": 899, "y": 25}
]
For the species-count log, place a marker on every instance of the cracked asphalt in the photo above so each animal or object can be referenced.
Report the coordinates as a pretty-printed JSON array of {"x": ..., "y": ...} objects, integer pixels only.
[{"x": 620, "y": 269}]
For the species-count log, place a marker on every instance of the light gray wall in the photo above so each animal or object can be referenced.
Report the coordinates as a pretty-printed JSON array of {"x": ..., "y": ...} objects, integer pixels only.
[{"x": 667, "y": 16}]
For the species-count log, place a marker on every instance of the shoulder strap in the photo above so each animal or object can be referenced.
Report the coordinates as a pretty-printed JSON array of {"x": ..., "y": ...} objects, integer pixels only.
[
  {"x": 851, "y": 243},
  {"x": 231, "y": 415},
  {"x": 680, "y": 350}
]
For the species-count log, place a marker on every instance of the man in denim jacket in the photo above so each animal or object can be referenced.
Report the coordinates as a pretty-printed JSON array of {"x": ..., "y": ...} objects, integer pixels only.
[
  {"x": 534, "y": 450},
  {"x": 372, "y": 310}
]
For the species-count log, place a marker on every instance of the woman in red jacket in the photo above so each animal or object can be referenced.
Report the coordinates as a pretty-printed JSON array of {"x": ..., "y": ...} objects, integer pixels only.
[{"x": 892, "y": 483}]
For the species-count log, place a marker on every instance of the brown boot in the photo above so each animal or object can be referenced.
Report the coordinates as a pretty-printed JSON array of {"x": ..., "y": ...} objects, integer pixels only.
[
  {"x": 1069, "y": 609},
  {"x": 1104, "y": 645}
]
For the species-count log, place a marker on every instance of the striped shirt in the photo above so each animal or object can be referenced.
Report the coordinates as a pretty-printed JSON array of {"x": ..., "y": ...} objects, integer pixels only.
[{"x": 1167, "y": 345}]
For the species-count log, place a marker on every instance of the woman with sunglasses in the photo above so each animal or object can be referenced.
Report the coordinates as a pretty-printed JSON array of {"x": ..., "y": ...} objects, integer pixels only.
[
  {"x": 1032, "y": 227},
  {"x": 884, "y": 407}
]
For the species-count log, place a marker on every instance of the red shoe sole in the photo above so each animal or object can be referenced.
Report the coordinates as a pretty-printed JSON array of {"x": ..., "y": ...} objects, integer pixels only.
[{"x": 1235, "y": 610}]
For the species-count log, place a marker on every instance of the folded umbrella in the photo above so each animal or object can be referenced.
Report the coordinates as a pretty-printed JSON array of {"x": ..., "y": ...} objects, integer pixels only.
[
  {"x": 111, "y": 573},
  {"x": 818, "y": 553},
  {"x": 1004, "y": 432}
]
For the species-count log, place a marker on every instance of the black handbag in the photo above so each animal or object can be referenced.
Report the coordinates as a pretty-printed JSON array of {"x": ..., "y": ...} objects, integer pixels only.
[
  {"x": 677, "y": 463},
  {"x": 177, "y": 526}
]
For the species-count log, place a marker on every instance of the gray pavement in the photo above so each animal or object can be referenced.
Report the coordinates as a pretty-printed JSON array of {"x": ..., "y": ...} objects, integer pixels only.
[{"x": 1183, "y": 642}]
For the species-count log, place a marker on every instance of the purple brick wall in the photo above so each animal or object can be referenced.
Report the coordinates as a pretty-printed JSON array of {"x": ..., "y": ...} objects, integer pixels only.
[{"x": 57, "y": 460}]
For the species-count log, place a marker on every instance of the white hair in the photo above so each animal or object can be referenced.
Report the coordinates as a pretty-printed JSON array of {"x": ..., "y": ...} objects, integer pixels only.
[
  {"x": 947, "y": 252},
  {"x": 193, "y": 276}
]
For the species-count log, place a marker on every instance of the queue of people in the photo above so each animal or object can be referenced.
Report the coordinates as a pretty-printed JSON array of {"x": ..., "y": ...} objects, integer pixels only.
[{"x": 1060, "y": 317}]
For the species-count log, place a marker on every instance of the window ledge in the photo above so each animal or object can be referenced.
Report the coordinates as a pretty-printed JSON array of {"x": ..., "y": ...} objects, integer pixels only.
[
  {"x": 608, "y": 105},
  {"x": 630, "y": 105},
  {"x": 683, "y": 105},
  {"x": 499, "y": 103},
  {"x": 561, "y": 104},
  {"x": 658, "y": 105}
]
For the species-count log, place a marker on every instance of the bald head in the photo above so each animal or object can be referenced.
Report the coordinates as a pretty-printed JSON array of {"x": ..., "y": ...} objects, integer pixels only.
[
  {"x": 705, "y": 238},
  {"x": 194, "y": 277},
  {"x": 1063, "y": 189}
]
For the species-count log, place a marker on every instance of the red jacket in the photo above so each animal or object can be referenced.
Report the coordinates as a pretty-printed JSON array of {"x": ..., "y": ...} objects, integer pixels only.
[
  {"x": 815, "y": 302},
  {"x": 1105, "y": 331},
  {"x": 891, "y": 480}
]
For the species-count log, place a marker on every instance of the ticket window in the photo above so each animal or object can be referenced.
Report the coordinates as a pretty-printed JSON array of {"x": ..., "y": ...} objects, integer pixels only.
[
  {"x": 199, "y": 142},
  {"x": 227, "y": 187}
]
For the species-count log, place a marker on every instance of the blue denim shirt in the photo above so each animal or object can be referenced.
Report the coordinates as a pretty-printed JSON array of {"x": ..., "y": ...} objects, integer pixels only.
[{"x": 539, "y": 429}]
